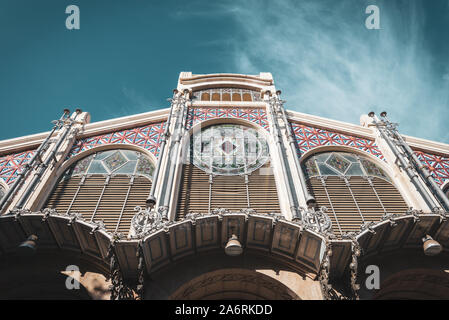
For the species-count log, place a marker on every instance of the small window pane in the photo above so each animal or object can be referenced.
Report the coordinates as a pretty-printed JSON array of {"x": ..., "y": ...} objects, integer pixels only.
[
  {"x": 226, "y": 97},
  {"x": 236, "y": 97},
  {"x": 322, "y": 157},
  {"x": 104, "y": 154},
  {"x": 247, "y": 97},
  {"x": 205, "y": 96},
  {"x": 349, "y": 157},
  {"x": 114, "y": 161},
  {"x": 81, "y": 166},
  {"x": 355, "y": 170},
  {"x": 338, "y": 162},
  {"x": 311, "y": 168},
  {"x": 97, "y": 167},
  {"x": 128, "y": 168},
  {"x": 145, "y": 167},
  {"x": 373, "y": 170},
  {"x": 131, "y": 155},
  {"x": 326, "y": 171}
]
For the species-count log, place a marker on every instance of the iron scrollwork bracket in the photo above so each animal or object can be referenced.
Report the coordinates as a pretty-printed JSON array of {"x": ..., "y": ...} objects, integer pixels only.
[
  {"x": 119, "y": 289},
  {"x": 147, "y": 220}
]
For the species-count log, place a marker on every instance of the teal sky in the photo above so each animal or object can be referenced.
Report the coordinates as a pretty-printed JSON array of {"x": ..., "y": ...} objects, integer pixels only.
[{"x": 127, "y": 55}]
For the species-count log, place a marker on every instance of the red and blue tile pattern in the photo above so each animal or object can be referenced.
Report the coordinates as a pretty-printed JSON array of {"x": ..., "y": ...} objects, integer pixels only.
[
  {"x": 147, "y": 137},
  {"x": 308, "y": 138},
  {"x": 12, "y": 164},
  {"x": 199, "y": 114},
  {"x": 437, "y": 165}
]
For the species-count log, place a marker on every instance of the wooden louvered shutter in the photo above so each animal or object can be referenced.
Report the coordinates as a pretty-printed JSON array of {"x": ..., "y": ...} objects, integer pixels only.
[
  {"x": 263, "y": 194},
  {"x": 343, "y": 207},
  {"x": 194, "y": 192},
  {"x": 95, "y": 200},
  {"x": 226, "y": 192}
]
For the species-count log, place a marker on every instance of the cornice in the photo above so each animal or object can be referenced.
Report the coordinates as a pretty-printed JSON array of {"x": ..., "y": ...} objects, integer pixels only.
[
  {"x": 427, "y": 145},
  {"x": 415, "y": 143},
  {"x": 201, "y": 81},
  {"x": 324, "y": 123},
  {"x": 90, "y": 129},
  {"x": 32, "y": 141}
]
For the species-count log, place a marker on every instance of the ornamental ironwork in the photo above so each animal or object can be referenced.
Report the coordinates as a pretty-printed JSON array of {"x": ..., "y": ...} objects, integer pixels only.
[
  {"x": 317, "y": 220},
  {"x": 146, "y": 221}
]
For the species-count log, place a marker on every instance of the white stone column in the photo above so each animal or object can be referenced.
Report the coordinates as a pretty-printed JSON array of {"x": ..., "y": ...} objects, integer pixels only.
[
  {"x": 287, "y": 198},
  {"x": 49, "y": 178},
  {"x": 399, "y": 177}
]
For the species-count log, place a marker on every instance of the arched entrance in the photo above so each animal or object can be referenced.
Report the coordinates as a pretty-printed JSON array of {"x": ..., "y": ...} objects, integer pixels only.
[
  {"x": 415, "y": 284},
  {"x": 236, "y": 284},
  {"x": 44, "y": 276}
]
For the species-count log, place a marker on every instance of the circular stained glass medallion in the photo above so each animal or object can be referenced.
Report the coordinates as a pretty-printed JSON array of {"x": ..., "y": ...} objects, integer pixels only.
[{"x": 228, "y": 149}]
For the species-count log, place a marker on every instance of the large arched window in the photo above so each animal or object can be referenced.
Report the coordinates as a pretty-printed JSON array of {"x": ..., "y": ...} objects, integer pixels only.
[
  {"x": 105, "y": 186},
  {"x": 353, "y": 188},
  {"x": 227, "y": 167}
]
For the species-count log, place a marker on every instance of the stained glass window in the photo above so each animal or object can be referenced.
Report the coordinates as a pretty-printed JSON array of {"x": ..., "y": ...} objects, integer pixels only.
[
  {"x": 116, "y": 161},
  {"x": 341, "y": 163},
  {"x": 228, "y": 149}
]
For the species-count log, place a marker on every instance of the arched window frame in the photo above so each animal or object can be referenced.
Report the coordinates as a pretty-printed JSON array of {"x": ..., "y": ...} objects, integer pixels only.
[
  {"x": 92, "y": 152},
  {"x": 342, "y": 149},
  {"x": 346, "y": 149},
  {"x": 280, "y": 188},
  {"x": 355, "y": 162}
]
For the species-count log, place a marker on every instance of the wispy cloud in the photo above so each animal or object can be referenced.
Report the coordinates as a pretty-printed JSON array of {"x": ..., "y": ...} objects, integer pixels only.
[{"x": 327, "y": 63}]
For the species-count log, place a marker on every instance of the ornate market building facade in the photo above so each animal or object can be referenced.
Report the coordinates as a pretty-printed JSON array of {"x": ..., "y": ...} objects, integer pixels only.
[{"x": 226, "y": 194}]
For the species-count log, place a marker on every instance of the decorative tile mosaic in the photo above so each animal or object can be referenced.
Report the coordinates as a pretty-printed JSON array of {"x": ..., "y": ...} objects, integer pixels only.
[
  {"x": 12, "y": 164},
  {"x": 199, "y": 114},
  {"x": 147, "y": 137},
  {"x": 437, "y": 165},
  {"x": 308, "y": 138}
]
